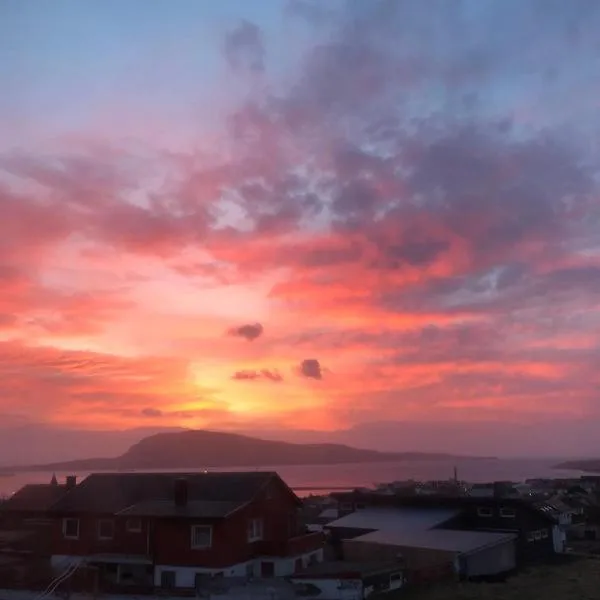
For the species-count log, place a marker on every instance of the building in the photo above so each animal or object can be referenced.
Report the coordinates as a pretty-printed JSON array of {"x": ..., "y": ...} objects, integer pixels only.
[
  {"x": 519, "y": 524},
  {"x": 174, "y": 531},
  {"x": 32, "y": 502},
  {"x": 347, "y": 580},
  {"x": 469, "y": 554},
  {"x": 416, "y": 537},
  {"x": 25, "y": 533}
]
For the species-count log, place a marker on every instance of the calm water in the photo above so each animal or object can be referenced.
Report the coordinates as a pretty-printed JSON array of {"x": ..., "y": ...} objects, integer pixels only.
[{"x": 321, "y": 478}]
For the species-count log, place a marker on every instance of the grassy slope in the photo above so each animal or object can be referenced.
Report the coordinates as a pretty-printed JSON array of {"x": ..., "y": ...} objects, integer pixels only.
[{"x": 577, "y": 580}]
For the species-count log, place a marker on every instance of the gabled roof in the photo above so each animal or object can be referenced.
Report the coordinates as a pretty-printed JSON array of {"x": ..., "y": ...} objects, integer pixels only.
[
  {"x": 153, "y": 493},
  {"x": 167, "y": 508},
  {"x": 34, "y": 497}
]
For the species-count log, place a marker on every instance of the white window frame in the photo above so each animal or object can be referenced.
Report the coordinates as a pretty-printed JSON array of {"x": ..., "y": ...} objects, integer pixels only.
[
  {"x": 64, "y": 528},
  {"x": 544, "y": 534},
  {"x": 508, "y": 513},
  {"x": 99, "y": 529},
  {"x": 530, "y": 536},
  {"x": 130, "y": 529},
  {"x": 255, "y": 530},
  {"x": 537, "y": 535},
  {"x": 484, "y": 511},
  {"x": 196, "y": 546}
]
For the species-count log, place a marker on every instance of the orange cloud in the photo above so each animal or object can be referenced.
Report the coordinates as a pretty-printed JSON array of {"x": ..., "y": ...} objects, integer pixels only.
[{"x": 383, "y": 266}]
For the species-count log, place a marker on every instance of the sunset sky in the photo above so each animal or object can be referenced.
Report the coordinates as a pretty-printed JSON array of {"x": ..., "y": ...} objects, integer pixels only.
[{"x": 294, "y": 215}]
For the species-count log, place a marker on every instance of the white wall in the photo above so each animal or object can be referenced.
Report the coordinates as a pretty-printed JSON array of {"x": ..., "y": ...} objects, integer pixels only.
[
  {"x": 185, "y": 576},
  {"x": 344, "y": 589},
  {"x": 492, "y": 560},
  {"x": 335, "y": 589},
  {"x": 559, "y": 538}
]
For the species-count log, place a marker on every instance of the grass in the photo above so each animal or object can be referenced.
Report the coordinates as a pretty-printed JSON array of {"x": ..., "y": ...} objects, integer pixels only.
[{"x": 575, "y": 580}]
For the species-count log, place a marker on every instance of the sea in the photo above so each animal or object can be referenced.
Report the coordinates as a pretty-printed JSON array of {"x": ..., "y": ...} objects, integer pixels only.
[{"x": 323, "y": 479}]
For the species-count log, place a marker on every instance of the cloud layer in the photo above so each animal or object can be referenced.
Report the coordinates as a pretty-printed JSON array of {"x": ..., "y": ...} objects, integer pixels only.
[{"x": 405, "y": 190}]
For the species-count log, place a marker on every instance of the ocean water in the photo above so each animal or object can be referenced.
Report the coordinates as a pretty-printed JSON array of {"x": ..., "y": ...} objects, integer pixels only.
[{"x": 322, "y": 478}]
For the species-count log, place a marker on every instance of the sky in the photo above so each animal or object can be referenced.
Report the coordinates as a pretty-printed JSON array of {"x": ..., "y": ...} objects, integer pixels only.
[{"x": 303, "y": 219}]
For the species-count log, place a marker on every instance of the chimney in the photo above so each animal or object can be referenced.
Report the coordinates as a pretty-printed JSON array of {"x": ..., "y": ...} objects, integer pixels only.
[
  {"x": 71, "y": 481},
  {"x": 180, "y": 494}
]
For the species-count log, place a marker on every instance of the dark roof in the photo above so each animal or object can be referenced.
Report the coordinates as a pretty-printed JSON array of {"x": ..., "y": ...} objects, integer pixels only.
[
  {"x": 111, "y": 493},
  {"x": 34, "y": 497},
  {"x": 167, "y": 508},
  {"x": 439, "y": 501}
]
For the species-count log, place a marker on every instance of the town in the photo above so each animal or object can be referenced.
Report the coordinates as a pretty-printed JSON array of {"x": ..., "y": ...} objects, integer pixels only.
[{"x": 238, "y": 533}]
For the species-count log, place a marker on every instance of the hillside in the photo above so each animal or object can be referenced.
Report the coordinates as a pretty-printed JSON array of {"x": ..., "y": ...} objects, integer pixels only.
[
  {"x": 197, "y": 449},
  {"x": 591, "y": 465}
]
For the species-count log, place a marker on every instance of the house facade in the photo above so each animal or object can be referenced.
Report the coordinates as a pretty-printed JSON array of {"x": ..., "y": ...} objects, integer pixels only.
[{"x": 174, "y": 531}]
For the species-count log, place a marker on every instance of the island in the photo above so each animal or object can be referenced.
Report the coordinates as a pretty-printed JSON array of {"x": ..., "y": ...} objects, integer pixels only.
[
  {"x": 591, "y": 465},
  {"x": 202, "y": 449}
]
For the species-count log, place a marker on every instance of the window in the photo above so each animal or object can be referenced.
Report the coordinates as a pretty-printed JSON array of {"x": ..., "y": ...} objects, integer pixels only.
[
  {"x": 484, "y": 512},
  {"x": 71, "y": 528},
  {"x": 106, "y": 529},
  {"x": 201, "y": 536},
  {"x": 537, "y": 535},
  {"x": 255, "y": 530},
  {"x": 508, "y": 513},
  {"x": 395, "y": 577},
  {"x": 134, "y": 525},
  {"x": 167, "y": 579},
  {"x": 530, "y": 536},
  {"x": 544, "y": 534}
]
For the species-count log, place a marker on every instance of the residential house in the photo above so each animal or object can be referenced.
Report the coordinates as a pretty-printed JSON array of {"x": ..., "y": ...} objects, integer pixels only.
[
  {"x": 32, "y": 502},
  {"x": 25, "y": 536},
  {"x": 173, "y": 530}
]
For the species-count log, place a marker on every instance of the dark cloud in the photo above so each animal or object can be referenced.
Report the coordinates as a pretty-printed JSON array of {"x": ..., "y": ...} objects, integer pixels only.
[
  {"x": 249, "y": 331},
  {"x": 244, "y": 47},
  {"x": 271, "y": 375},
  {"x": 152, "y": 412},
  {"x": 311, "y": 368}
]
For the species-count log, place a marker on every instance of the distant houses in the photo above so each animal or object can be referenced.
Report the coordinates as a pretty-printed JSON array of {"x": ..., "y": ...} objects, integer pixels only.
[{"x": 204, "y": 533}]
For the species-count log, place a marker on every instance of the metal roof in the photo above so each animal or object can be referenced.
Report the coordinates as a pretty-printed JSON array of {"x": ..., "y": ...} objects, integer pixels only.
[
  {"x": 114, "y": 492},
  {"x": 401, "y": 518},
  {"x": 462, "y": 542},
  {"x": 34, "y": 497},
  {"x": 167, "y": 508}
]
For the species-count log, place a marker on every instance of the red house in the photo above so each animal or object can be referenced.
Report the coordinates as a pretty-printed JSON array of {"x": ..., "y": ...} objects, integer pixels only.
[{"x": 173, "y": 530}]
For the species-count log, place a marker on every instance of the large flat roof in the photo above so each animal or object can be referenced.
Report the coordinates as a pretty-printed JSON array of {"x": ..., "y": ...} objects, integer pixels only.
[
  {"x": 400, "y": 518},
  {"x": 462, "y": 542}
]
